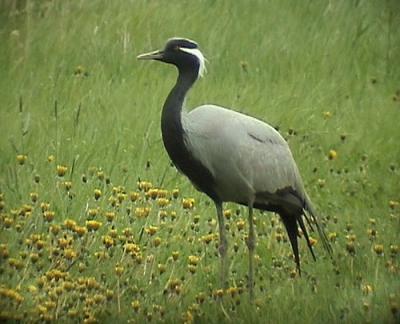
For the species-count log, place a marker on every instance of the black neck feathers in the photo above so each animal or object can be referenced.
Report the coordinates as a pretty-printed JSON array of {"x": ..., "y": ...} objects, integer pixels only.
[{"x": 173, "y": 134}]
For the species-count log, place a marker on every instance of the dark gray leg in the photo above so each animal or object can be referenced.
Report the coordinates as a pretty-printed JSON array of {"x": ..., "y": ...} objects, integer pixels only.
[
  {"x": 251, "y": 244},
  {"x": 223, "y": 246}
]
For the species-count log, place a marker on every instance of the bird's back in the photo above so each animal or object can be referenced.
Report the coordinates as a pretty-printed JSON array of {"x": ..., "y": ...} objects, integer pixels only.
[{"x": 248, "y": 158}]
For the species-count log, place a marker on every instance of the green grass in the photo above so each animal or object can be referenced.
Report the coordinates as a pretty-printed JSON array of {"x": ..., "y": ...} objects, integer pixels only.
[{"x": 327, "y": 73}]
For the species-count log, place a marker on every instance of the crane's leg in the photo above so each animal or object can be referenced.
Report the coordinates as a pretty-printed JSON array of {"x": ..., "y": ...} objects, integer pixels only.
[
  {"x": 223, "y": 246},
  {"x": 251, "y": 244}
]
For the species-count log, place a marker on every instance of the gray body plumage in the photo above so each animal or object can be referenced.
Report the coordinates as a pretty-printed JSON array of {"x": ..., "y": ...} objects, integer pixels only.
[{"x": 249, "y": 160}]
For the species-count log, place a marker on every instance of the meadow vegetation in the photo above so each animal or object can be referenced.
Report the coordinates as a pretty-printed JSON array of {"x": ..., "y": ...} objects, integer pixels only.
[{"x": 95, "y": 223}]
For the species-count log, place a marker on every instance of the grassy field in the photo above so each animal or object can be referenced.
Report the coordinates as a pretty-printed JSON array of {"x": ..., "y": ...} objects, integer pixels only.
[{"x": 95, "y": 224}]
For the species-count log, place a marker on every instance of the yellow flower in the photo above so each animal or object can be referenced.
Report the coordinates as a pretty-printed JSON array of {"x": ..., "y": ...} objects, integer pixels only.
[
  {"x": 321, "y": 183},
  {"x": 132, "y": 248},
  {"x": 100, "y": 175},
  {"x": 232, "y": 291},
  {"x": 40, "y": 244},
  {"x": 4, "y": 252},
  {"x": 394, "y": 249},
  {"x": 327, "y": 114},
  {"x": 293, "y": 273},
  {"x": 173, "y": 215},
  {"x": 393, "y": 204},
  {"x": 109, "y": 294},
  {"x": 51, "y": 158},
  {"x": 144, "y": 185},
  {"x": 175, "y": 255},
  {"x": 68, "y": 286},
  {"x": 80, "y": 230},
  {"x": 240, "y": 224},
  {"x": 350, "y": 247},
  {"x": 332, "y": 154},
  {"x": 34, "y": 257},
  {"x": 15, "y": 263},
  {"x": 162, "y": 202},
  {"x": 67, "y": 185},
  {"x": 151, "y": 230},
  {"x": 152, "y": 193},
  {"x": 121, "y": 197},
  {"x": 110, "y": 216},
  {"x": 157, "y": 241},
  {"x": 372, "y": 233},
  {"x": 32, "y": 289},
  {"x": 69, "y": 254},
  {"x": 200, "y": 298},
  {"x": 48, "y": 215},
  {"x": 142, "y": 212},
  {"x": 44, "y": 206},
  {"x": 367, "y": 289},
  {"x": 79, "y": 70},
  {"x": 192, "y": 268},
  {"x": 93, "y": 225},
  {"x": 162, "y": 193},
  {"x": 313, "y": 241},
  {"x": 55, "y": 274},
  {"x": 378, "y": 248},
  {"x": 162, "y": 214},
  {"x": 92, "y": 283},
  {"x": 218, "y": 293},
  {"x": 135, "y": 305},
  {"x": 97, "y": 194},
  {"x": 332, "y": 236},
  {"x": 133, "y": 195},
  {"x": 188, "y": 203},
  {"x": 92, "y": 212},
  {"x": 193, "y": 260},
  {"x": 21, "y": 159},
  {"x": 161, "y": 268},
  {"x": 119, "y": 270},
  {"x": 7, "y": 221},
  {"x": 207, "y": 238},
  {"x": 61, "y": 170},
  {"x": 351, "y": 237},
  {"x": 108, "y": 241},
  {"x": 175, "y": 193},
  {"x": 127, "y": 232},
  {"x": 227, "y": 213},
  {"x": 34, "y": 196},
  {"x": 70, "y": 224}
]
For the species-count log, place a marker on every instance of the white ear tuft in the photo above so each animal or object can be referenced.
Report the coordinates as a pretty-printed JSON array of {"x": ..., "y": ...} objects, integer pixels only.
[{"x": 199, "y": 55}]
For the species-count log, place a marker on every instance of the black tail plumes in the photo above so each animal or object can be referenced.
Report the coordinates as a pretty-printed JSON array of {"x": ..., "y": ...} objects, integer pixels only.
[
  {"x": 311, "y": 217},
  {"x": 293, "y": 221}
]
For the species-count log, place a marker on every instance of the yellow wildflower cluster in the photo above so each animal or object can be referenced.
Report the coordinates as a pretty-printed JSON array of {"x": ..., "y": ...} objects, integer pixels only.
[
  {"x": 98, "y": 245},
  {"x": 11, "y": 294}
]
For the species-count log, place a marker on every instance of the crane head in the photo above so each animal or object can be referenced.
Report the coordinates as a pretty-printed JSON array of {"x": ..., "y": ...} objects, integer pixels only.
[{"x": 181, "y": 52}]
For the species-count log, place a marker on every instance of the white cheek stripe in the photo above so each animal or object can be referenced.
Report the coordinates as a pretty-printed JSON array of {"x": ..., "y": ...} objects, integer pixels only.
[{"x": 202, "y": 60}]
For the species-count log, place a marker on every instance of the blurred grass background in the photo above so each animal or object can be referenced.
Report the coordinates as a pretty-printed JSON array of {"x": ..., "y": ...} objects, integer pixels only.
[{"x": 326, "y": 73}]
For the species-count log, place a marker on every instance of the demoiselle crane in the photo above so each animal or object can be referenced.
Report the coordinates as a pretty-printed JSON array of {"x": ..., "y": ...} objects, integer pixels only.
[{"x": 232, "y": 157}]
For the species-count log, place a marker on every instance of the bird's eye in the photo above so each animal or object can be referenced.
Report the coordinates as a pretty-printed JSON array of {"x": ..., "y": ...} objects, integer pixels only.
[{"x": 176, "y": 48}]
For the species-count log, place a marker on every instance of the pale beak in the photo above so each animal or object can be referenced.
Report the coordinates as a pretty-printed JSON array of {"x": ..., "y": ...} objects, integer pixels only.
[{"x": 155, "y": 55}]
